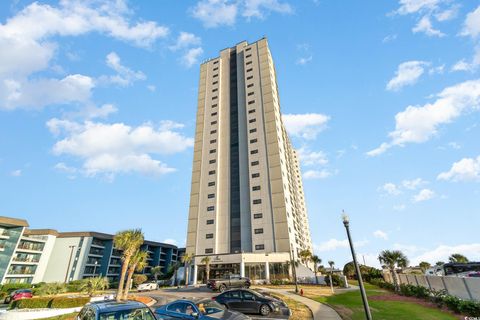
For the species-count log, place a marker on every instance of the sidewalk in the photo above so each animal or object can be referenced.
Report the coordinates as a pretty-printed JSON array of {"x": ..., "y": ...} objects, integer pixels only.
[{"x": 319, "y": 310}]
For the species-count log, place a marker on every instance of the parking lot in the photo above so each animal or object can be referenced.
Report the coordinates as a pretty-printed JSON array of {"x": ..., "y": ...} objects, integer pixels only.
[{"x": 164, "y": 296}]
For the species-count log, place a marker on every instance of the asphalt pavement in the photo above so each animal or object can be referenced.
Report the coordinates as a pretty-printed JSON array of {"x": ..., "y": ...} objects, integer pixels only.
[{"x": 164, "y": 296}]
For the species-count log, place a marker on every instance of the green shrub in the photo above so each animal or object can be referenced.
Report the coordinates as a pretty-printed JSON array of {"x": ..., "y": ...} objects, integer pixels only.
[
  {"x": 336, "y": 280},
  {"x": 278, "y": 282},
  {"x": 51, "y": 289},
  {"x": 74, "y": 286},
  {"x": 139, "y": 279},
  {"x": 382, "y": 284},
  {"x": 10, "y": 287},
  {"x": 64, "y": 302},
  {"x": 49, "y": 302}
]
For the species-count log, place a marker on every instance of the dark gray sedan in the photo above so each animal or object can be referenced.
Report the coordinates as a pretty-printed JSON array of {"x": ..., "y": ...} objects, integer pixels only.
[{"x": 204, "y": 309}]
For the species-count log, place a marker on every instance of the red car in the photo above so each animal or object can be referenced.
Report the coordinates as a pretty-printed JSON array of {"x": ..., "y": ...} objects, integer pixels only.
[{"x": 19, "y": 294}]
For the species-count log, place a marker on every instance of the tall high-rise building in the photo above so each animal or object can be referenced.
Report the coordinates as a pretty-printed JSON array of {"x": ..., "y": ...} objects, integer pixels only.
[{"x": 247, "y": 206}]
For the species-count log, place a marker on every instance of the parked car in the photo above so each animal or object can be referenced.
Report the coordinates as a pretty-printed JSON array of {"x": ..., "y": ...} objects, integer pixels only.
[
  {"x": 204, "y": 309},
  {"x": 19, "y": 294},
  {"x": 249, "y": 301},
  {"x": 113, "y": 310},
  {"x": 148, "y": 286},
  {"x": 230, "y": 281}
]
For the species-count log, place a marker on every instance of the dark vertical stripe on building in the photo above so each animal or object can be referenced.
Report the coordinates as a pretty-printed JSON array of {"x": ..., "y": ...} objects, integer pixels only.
[{"x": 235, "y": 234}]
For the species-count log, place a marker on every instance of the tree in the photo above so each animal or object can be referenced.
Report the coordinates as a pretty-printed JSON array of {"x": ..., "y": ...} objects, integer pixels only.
[
  {"x": 138, "y": 262},
  {"x": 156, "y": 272},
  {"x": 331, "y": 264},
  {"x": 129, "y": 241},
  {"x": 173, "y": 268},
  {"x": 305, "y": 256},
  {"x": 187, "y": 259},
  {"x": 207, "y": 260},
  {"x": 439, "y": 263},
  {"x": 138, "y": 279},
  {"x": 391, "y": 260},
  {"x": 92, "y": 285},
  {"x": 424, "y": 266},
  {"x": 349, "y": 270},
  {"x": 457, "y": 258},
  {"x": 316, "y": 261}
]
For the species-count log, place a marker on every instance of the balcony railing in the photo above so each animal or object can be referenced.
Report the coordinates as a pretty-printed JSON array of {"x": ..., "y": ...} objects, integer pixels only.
[
  {"x": 32, "y": 247},
  {"x": 21, "y": 271},
  {"x": 32, "y": 260}
]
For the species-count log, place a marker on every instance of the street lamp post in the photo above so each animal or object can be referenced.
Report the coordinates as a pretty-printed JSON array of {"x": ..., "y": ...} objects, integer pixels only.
[
  {"x": 346, "y": 223},
  {"x": 294, "y": 270},
  {"x": 69, "y": 262}
]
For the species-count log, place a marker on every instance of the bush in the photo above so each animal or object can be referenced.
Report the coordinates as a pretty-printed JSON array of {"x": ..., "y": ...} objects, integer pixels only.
[
  {"x": 10, "y": 287},
  {"x": 51, "y": 289},
  {"x": 49, "y": 302},
  {"x": 139, "y": 279},
  {"x": 74, "y": 286},
  {"x": 382, "y": 284},
  {"x": 336, "y": 280},
  {"x": 279, "y": 282}
]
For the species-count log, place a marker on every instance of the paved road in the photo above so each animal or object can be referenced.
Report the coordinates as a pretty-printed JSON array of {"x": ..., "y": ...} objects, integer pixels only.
[{"x": 164, "y": 296}]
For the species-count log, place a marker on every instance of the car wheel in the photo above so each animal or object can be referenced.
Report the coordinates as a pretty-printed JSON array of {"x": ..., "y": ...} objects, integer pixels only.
[
  {"x": 226, "y": 307},
  {"x": 222, "y": 288},
  {"x": 264, "y": 310}
]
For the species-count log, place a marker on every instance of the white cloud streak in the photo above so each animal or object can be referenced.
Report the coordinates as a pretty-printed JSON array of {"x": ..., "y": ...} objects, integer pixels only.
[
  {"x": 466, "y": 169},
  {"x": 407, "y": 73},
  {"x": 423, "y": 195},
  {"x": 307, "y": 125}
]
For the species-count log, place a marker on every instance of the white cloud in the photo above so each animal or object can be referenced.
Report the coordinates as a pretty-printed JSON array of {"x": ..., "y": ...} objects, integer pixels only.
[
  {"x": 447, "y": 14},
  {"x": 424, "y": 25},
  {"x": 462, "y": 65},
  {"x": 92, "y": 112},
  {"x": 399, "y": 207},
  {"x": 16, "y": 173},
  {"x": 389, "y": 38},
  {"x": 407, "y": 249},
  {"x": 191, "y": 56},
  {"x": 380, "y": 234},
  {"x": 42, "y": 92},
  {"x": 424, "y": 195},
  {"x": 151, "y": 88},
  {"x": 471, "y": 26},
  {"x": 391, "y": 189},
  {"x": 311, "y": 158},
  {"x": 62, "y": 167},
  {"x": 214, "y": 13},
  {"x": 307, "y": 125},
  {"x": 334, "y": 244},
  {"x": 407, "y": 74},
  {"x": 304, "y": 60},
  {"x": 109, "y": 149},
  {"x": 28, "y": 37},
  {"x": 258, "y": 8},
  {"x": 185, "y": 40},
  {"x": 170, "y": 241},
  {"x": 437, "y": 70},
  {"x": 316, "y": 174},
  {"x": 467, "y": 169},
  {"x": 413, "y": 184},
  {"x": 469, "y": 66},
  {"x": 125, "y": 76},
  {"x": 418, "y": 124},
  {"x": 414, "y": 6},
  {"x": 442, "y": 252}
]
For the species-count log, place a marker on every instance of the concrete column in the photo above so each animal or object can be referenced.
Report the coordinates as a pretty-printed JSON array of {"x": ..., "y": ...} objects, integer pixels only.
[
  {"x": 242, "y": 269},
  {"x": 267, "y": 272},
  {"x": 195, "y": 271}
]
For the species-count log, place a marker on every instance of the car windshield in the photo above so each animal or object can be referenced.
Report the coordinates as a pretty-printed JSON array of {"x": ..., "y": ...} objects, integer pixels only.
[
  {"x": 209, "y": 306},
  {"x": 132, "y": 314}
]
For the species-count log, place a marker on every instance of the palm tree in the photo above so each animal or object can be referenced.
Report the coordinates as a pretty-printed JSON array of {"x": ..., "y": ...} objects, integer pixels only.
[
  {"x": 305, "y": 255},
  {"x": 156, "y": 272},
  {"x": 424, "y": 266},
  {"x": 138, "y": 262},
  {"x": 331, "y": 264},
  {"x": 92, "y": 285},
  {"x": 457, "y": 258},
  {"x": 391, "y": 260},
  {"x": 316, "y": 261},
  {"x": 207, "y": 260},
  {"x": 129, "y": 241},
  {"x": 439, "y": 263},
  {"x": 187, "y": 259}
]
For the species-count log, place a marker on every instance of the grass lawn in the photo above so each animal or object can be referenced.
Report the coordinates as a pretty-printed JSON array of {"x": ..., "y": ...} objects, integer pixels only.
[
  {"x": 349, "y": 306},
  {"x": 298, "y": 309},
  {"x": 70, "y": 316}
]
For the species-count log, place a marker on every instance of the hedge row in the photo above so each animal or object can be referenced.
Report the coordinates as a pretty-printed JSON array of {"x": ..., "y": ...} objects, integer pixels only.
[
  {"x": 49, "y": 302},
  {"x": 440, "y": 298}
]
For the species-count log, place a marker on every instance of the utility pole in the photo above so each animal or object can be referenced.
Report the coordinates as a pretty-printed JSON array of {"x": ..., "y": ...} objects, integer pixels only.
[
  {"x": 346, "y": 223},
  {"x": 69, "y": 262}
]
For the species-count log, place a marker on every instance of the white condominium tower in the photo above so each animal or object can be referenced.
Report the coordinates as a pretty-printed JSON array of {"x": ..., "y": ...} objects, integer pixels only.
[{"x": 247, "y": 206}]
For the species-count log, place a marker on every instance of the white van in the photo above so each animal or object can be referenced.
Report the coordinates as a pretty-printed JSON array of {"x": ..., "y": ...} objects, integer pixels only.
[{"x": 148, "y": 286}]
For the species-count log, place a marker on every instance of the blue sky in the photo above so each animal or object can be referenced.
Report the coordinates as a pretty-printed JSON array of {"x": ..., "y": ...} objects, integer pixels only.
[{"x": 98, "y": 102}]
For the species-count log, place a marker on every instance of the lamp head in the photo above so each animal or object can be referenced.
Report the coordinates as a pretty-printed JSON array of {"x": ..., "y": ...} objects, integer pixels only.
[{"x": 345, "y": 218}]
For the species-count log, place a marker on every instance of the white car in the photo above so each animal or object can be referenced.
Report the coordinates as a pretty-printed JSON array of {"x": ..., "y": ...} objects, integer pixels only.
[{"x": 148, "y": 286}]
